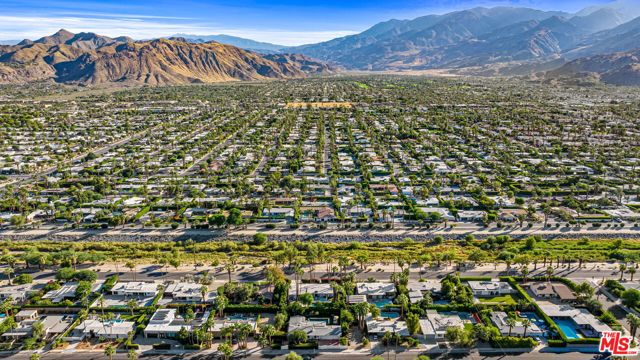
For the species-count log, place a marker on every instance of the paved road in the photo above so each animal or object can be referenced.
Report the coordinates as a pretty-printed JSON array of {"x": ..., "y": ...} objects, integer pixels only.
[
  {"x": 593, "y": 272},
  {"x": 336, "y": 356},
  {"x": 336, "y": 234}
]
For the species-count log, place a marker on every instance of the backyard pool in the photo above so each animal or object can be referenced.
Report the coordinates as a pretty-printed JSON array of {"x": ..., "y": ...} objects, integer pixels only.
[
  {"x": 568, "y": 328},
  {"x": 381, "y": 303},
  {"x": 389, "y": 315},
  {"x": 534, "y": 318}
]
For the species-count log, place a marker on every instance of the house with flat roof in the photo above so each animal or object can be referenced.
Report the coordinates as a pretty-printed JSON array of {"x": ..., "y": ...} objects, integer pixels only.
[
  {"x": 52, "y": 325},
  {"x": 356, "y": 299},
  {"x": 67, "y": 291},
  {"x": 320, "y": 292},
  {"x": 318, "y": 330},
  {"x": 417, "y": 289},
  {"x": 95, "y": 328},
  {"x": 187, "y": 292},
  {"x": 219, "y": 324},
  {"x": 490, "y": 288},
  {"x": 376, "y": 290},
  {"x": 166, "y": 323},
  {"x": 135, "y": 289},
  {"x": 19, "y": 293},
  {"x": 500, "y": 320},
  {"x": 435, "y": 326},
  {"x": 379, "y": 326},
  {"x": 588, "y": 324}
]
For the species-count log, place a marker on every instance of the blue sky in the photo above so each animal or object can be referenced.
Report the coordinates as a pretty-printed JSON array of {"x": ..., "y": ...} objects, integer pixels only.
[{"x": 285, "y": 22}]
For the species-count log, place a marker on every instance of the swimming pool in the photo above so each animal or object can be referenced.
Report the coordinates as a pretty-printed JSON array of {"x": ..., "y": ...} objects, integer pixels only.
[
  {"x": 463, "y": 315},
  {"x": 534, "y": 318},
  {"x": 568, "y": 328},
  {"x": 381, "y": 303},
  {"x": 389, "y": 315}
]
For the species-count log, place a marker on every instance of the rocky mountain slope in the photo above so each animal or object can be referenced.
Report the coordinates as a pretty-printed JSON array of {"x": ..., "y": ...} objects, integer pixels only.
[
  {"x": 89, "y": 59},
  {"x": 621, "y": 68},
  {"x": 481, "y": 37}
]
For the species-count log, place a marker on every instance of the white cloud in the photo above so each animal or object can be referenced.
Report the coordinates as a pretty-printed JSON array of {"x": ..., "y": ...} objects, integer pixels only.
[{"x": 145, "y": 27}]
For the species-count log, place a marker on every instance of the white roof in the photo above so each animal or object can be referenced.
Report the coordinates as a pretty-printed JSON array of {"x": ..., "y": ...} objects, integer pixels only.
[
  {"x": 380, "y": 326},
  {"x": 580, "y": 316},
  {"x": 376, "y": 288},
  {"x": 135, "y": 287},
  {"x": 315, "y": 329},
  {"x": 315, "y": 289},
  {"x": 437, "y": 323},
  {"x": 424, "y": 286},
  {"x": 499, "y": 319},
  {"x": 489, "y": 285},
  {"x": 113, "y": 327}
]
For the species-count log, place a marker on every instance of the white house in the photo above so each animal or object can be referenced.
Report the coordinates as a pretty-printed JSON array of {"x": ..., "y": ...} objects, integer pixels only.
[
  {"x": 435, "y": 326},
  {"x": 318, "y": 331},
  {"x": 588, "y": 324},
  {"x": 320, "y": 292},
  {"x": 166, "y": 323},
  {"x": 379, "y": 327},
  {"x": 108, "y": 329},
  {"x": 376, "y": 290},
  {"x": 188, "y": 292},
  {"x": 135, "y": 288},
  {"x": 500, "y": 320},
  {"x": 490, "y": 288}
]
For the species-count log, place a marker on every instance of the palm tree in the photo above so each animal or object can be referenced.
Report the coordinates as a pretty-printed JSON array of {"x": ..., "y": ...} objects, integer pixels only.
[
  {"x": 525, "y": 323},
  {"x": 109, "y": 351},
  {"x": 511, "y": 322},
  {"x": 525, "y": 273},
  {"x": 361, "y": 310},
  {"x": 632, "y": 270},
  {"x": 101, "y": 302},
  {"x": 8, "y": 272},
  {"x": 204, "y": 290},
  {"x": 549, "y": 272},
  {"x": 220, "y": 303},
  {"x": 132, "y": 267},
  {"x": 132, "y": 304},
  {"x": 623, "y": 268},
  {"x": 132, "y": 355},
  {"x": 634, "y": 323},
  {"x": 298, "y": 273},
  {"x": 403, "y": 301}
]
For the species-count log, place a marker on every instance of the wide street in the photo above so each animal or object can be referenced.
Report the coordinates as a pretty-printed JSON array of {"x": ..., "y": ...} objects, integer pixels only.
[{"x": 324, "y": 356}]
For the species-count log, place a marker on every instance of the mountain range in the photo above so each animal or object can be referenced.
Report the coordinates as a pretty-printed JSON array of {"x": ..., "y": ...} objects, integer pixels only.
[
  {"x": 601, "y": 41},
  {"x": 90, "y": 59},
  {"x": 247, "y": 44}
]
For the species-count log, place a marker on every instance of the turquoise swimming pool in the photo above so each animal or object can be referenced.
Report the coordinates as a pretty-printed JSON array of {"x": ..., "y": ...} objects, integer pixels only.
[
  {"x": 381, "y": 303},
  {"x": 568, "y": 328},
  {"x": 389, "y": 315}
]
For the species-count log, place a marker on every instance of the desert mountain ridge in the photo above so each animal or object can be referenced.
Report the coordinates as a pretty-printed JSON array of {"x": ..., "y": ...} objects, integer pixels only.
[{"x": 90, "y": 59}]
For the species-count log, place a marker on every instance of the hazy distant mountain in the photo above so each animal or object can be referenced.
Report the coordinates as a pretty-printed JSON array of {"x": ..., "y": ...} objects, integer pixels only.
[
  {"x": 242, "y": 43},
  {"x": 627, "y": 9},
  {"x": 416, "y": 43},
  {"x": 9, "y": 42},
  {"x": 89, "y": 59},
  {"x": 476, "y": 37},
  {"x": 621, "y": 68},
  {"x": 621, "y": 38}
]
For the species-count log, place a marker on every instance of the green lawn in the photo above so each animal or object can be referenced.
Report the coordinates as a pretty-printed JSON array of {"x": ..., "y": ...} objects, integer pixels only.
[{"x": 508, "y": 299}]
